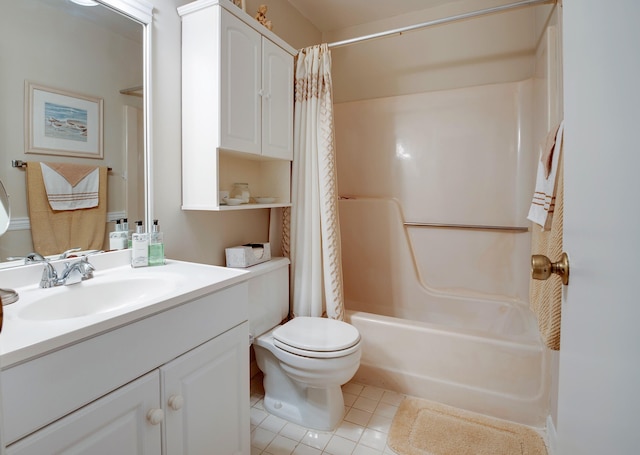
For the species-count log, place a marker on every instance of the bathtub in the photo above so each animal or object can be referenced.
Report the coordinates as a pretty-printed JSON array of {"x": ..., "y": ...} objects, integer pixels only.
[{"x": 456, "y": 346}]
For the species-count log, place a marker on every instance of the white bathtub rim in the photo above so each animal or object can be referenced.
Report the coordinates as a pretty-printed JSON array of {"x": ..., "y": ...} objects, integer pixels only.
[{"x": 527, "y": 344}]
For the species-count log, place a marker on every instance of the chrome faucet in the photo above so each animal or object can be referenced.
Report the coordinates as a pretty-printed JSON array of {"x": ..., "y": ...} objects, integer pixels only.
[{"x": 74, "y": 272}]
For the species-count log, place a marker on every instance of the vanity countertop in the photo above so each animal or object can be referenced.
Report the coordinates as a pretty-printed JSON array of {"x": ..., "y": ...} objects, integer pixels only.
[{"x": 33, "y": 328}]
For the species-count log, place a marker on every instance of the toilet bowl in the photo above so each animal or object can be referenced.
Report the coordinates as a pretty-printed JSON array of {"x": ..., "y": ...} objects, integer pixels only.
[{"x": 305, "y": 362}]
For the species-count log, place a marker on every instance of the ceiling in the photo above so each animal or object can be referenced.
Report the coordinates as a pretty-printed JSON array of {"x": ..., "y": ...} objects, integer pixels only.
[{"x": 328, "y": 15}]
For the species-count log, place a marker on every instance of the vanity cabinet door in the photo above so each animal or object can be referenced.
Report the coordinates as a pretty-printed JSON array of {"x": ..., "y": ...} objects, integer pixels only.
[
  {"x": 277, "y": 101},
  {"x": 118, "y": 423},
  {"x": 206, "y": 397}
]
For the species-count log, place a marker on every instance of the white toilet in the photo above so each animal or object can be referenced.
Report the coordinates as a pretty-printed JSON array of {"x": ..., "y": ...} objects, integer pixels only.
[{"x": 305, "y": 360}]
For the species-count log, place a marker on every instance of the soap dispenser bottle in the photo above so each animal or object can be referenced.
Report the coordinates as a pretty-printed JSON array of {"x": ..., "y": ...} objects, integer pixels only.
[
  {"x": 139, "y": 247},
  {"x": 125, "y": 229},
  {"x": 156, "y": 245}
]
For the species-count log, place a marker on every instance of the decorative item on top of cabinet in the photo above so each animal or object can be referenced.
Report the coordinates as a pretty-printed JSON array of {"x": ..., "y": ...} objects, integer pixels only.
[
  {"x": 237, "y": 107},
  {"x": 240, "y": 4},
  {"x": 261, "y": 16}
]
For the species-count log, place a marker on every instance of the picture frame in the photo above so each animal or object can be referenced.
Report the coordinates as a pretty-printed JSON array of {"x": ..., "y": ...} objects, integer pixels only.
[{"x": 63, "y": 123}]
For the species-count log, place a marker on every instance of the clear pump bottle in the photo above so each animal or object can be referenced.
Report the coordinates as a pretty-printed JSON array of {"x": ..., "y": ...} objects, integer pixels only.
[
  {"x": 125, "y": 229},
  {"x": 156, "y": 245}
]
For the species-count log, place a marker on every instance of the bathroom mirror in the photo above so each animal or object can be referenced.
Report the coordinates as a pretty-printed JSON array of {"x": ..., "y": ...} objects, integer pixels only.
[{"x": 64, "y": 45}]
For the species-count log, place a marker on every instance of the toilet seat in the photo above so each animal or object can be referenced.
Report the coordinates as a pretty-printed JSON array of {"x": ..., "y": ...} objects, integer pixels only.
[{"x": 317, "y": 337}]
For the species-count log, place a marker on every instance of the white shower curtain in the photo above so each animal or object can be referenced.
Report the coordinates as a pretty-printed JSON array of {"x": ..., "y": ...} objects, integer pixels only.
[{"x": 314, "y": 233}]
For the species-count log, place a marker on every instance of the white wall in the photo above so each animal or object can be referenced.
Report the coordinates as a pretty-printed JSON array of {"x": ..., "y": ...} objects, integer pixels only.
[{"x": 485, "y": 50}]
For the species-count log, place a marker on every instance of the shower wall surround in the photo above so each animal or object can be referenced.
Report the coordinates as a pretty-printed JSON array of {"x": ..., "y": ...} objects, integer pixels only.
[{"x": 461, "y": 156}]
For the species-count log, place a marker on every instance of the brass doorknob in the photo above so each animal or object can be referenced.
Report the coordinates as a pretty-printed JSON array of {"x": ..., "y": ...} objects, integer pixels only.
[{"x": 542, "y": 267}]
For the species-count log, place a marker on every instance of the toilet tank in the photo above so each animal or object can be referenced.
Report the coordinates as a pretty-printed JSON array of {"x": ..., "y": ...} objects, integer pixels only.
[{"x": 268, "y": 295}]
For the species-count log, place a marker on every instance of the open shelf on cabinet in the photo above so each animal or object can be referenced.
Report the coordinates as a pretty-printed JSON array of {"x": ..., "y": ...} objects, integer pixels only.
[{"x": 266, "y": 177}]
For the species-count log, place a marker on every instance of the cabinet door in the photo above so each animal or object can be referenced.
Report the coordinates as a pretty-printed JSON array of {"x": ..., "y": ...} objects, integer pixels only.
[
  {"x": 240, "y": 79},
  {"x": 206, "y": 397},
  {"x": 114, "y": 424},
  {"x": 277, "y": 102}
]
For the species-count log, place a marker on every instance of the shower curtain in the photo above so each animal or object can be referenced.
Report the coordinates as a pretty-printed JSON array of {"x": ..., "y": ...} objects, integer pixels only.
[{"x": 312, "y": 232}]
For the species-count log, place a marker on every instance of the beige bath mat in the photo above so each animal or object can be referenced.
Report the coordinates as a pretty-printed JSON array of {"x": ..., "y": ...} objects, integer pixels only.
[{"x": 423, "y": 427}]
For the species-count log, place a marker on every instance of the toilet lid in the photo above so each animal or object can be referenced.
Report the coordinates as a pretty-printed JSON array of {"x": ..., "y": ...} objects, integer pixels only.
[{"x": 316, "y": 335}]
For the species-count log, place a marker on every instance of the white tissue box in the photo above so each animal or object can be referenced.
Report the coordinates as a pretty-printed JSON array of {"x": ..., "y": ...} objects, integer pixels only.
[{"x": 248, "y": 255}]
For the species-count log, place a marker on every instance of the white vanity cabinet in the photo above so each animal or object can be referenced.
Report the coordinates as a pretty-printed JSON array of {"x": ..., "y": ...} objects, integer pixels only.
[
  {"x": 237, "y": 106},
  {"x": 174, "y": 383}
]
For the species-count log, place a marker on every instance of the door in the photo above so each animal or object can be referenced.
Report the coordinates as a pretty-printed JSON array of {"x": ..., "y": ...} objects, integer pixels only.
[
  {"x": 240, "y": 80},
  {"x": 114, "y": 424},
  {"x": 206, "y": 397},
  {"x": 599, "y": 373},
  {"x": 277, "y": 101}
]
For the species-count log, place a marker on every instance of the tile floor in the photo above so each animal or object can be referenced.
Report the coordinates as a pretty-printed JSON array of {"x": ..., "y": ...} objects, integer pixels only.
[{"x": 363, "y": 431}]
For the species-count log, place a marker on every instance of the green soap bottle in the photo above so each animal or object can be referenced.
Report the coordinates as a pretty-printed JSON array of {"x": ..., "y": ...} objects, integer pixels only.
[{"x": 156, "y": 245}]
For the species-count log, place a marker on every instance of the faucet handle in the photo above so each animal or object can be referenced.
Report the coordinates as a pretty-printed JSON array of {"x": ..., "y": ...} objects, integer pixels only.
[
  {"x": 49, "y": 276},
  {"x": 88, "y": 267}
]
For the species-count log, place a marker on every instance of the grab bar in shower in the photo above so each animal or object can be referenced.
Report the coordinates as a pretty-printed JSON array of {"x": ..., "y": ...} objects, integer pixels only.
[{"x": 475, "y": 227}]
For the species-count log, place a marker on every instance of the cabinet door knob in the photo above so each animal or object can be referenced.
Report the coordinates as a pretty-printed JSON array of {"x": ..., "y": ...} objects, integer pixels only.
[
  {"x": 176, "y": 402},
  {"x": 155, "y": 416},
  {"x": 267, "y": 96},
  {"x": 260, "y": 93}
]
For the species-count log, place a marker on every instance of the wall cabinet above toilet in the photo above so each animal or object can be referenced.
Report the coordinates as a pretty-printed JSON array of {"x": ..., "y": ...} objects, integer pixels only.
[{"x": 237, "y": 104}]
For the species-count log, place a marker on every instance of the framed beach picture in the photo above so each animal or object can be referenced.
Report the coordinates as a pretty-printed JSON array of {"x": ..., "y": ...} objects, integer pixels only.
[{"x": 58, "y": 122}]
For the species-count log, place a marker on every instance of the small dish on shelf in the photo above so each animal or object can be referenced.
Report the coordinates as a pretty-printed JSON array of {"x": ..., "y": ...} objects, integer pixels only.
[
  {"x": 233, "y": 201},
  {"x": 265, "y": 199}
]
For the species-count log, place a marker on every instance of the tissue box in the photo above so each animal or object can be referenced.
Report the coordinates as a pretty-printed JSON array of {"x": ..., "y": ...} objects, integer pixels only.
[{"x": 248, "y": 255}]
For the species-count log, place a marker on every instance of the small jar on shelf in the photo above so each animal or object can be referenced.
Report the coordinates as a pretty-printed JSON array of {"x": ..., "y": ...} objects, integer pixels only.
[{"x": 241, "y": 191}]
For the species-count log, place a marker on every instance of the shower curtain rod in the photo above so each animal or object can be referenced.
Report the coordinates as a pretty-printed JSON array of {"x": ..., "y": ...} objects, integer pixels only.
[{"x": 445, "y": 20}]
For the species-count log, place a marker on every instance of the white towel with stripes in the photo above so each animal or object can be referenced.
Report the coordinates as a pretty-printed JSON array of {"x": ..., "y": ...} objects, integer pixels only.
[
  {"x": 62, "y": 195},
  {"x": 544, "y": 197}
]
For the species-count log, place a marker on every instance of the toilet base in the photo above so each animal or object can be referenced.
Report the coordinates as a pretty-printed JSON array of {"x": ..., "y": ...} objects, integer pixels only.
[{"x": 319, "y": 409}]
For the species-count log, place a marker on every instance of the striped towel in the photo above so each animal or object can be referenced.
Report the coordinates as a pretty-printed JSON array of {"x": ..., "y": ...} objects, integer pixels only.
[
  {"x": 543, "y": 203},
  {"x": 71, "y": 186}
]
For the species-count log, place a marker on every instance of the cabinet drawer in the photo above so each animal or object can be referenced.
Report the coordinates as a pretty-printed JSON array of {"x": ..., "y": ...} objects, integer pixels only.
[{"x": 42, "y": 390}]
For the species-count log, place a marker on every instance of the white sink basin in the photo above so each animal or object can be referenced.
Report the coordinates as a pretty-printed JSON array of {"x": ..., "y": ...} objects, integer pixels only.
[
  {"x": 44, "y": 320},
  {"x": 94, "y": 296}
]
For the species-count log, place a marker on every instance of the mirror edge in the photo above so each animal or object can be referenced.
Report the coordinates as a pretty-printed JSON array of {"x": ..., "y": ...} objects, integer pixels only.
[
  {"x": 4, "y": 200},
  {"x": 142, "y": 11}
]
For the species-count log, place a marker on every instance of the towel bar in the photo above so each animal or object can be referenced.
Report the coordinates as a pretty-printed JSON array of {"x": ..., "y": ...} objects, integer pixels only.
[
  {"x": 476, "y": 227},
  {"x": 20, "y": 163}
]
